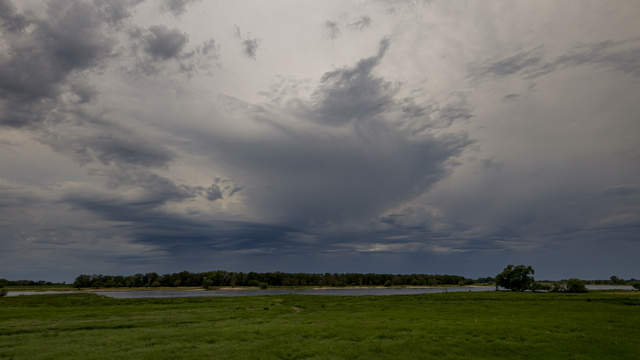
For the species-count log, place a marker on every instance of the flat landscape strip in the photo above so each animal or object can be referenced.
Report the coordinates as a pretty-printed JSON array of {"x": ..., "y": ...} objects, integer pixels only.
[{"x": 483, "y": 325}]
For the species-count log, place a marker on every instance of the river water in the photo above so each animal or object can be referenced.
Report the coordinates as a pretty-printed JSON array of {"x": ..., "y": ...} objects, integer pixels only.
[{"x": 135, "y": 294}]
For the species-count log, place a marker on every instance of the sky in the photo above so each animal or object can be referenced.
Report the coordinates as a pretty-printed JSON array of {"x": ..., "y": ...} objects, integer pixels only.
[{"x": 319, "y": 136}]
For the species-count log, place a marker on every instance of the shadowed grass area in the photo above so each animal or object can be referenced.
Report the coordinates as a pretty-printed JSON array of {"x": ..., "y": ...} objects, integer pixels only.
[{"x": 492, "y": 325}]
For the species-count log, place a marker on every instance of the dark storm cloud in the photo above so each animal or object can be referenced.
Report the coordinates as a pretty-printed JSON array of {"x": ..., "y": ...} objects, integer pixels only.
[
  {"x": 221, "y": 189},
  {"x": 622, "y": 56},
  {"x": 10, "y": 20},
  {"x": 159, "y": 46},
  {"x": 73, "y": 37},
  {"x": 144, "y": 218},
  {"x": 163, "y": 43},
  {"x": 354, "y": 93},
  {"x": 355, "y": 154},
  {"x": 250, "y": 47},
  {"x": 110, "y": 149},
  {"x": 177, "y": 7}
]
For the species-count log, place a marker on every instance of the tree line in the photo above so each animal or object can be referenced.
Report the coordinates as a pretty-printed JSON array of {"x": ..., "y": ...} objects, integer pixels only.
[
  {"x": 5, "y": 282},
  {"x": 227, "y": 278}
]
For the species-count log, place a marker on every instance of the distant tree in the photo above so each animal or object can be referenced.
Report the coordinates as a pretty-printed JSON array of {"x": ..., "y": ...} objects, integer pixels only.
[
  {"x": 558, "y": 287},
  {"x": 616, "y": 280},
  {"x": 387, "y": 283},
  {"x": 576, "y": 286},
  {"x": 516, "y": 278},
  {"x": 207, "y": 283},
  {"x": 3, "y": 291},
  {"x": 636, "y": 285}
]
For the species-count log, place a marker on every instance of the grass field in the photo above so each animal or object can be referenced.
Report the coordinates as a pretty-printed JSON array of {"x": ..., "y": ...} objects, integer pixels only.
[{"x": 491, "y": 325}]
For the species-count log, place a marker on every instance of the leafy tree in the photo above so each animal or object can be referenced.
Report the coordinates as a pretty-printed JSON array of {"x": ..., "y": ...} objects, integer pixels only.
[
  {"x": 636, "y": 285},
  {"x": 576, "y": 286},
  {"x": 516, "y": 278},
  {"x": 3, "y": 292},
  {"x": 387, "y": 283}
]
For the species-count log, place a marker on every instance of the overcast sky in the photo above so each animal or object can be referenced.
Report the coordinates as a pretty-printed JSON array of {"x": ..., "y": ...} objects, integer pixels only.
[{"x": 319, "y": 136}]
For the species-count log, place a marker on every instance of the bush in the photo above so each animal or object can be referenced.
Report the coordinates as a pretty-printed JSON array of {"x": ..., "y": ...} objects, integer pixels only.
[
  {"x": 263, "y": 285},
  {"x": 576, "y": 286},
  {"x": 3, "y": 292},
  {"x": 636, "y": 285},
  {"x": 387, "y": 283},
  {"x": 254, "y": 283},
  {"x": 557, "y": 287},
  {"x": 536, "y": 286}
]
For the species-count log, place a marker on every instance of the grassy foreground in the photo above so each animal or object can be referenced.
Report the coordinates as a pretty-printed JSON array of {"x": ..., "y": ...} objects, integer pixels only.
[{"x": 596, "y": 325}]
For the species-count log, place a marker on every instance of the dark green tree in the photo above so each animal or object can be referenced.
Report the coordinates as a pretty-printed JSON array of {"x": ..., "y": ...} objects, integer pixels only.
[{"x": 516, "y": 278}]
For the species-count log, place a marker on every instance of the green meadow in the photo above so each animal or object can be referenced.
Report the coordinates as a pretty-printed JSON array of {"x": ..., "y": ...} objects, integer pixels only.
[{"x": 489, "y": 325}]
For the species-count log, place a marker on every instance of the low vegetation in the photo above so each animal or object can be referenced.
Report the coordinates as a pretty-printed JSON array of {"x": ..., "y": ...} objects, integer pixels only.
[{"x": 484, "y": 325}]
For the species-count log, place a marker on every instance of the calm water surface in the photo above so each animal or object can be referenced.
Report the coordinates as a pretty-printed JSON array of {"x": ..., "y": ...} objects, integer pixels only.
[{"x": 126, "y": 294}]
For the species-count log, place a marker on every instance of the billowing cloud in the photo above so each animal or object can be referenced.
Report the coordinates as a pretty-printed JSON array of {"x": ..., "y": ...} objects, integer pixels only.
[
  {"x": 332, "y": 29},
  {"x": 163, "y": 43},
  {"x": 382, "y": 136},
  {"x": 616, "y": 55},
  {"x": 361, "y": 23},
  {"x": 177, "y": 7},
  {"x": 249, "y": 44}
]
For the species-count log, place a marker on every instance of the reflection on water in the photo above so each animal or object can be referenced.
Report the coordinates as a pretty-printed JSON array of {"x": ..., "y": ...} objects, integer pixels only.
[
  {"x": 131, "y": 294},
  {"x": 49, "y": 292},
  {"x": 609, "y": 287},
  {"x": 329, "y": 292}
]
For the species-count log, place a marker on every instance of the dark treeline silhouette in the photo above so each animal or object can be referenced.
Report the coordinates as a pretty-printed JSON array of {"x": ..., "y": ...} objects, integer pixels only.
[
  {"x": 5, "y": 282},
  {"x": 226, "y": 278}
]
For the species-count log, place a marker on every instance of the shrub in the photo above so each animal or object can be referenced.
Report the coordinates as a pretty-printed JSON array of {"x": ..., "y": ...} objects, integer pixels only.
[
  {"x": 263, "y": 285},
  {"x": 3, "y": 292},
  {"x": 557, "y": 287},
  {"x": 387, "y": 283},
  {"x": 576, "y": 286},
  {"x": 636, "y": 285},
  {"x": 536, "y": 286},
  {"x": 255, "y": 283}
]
